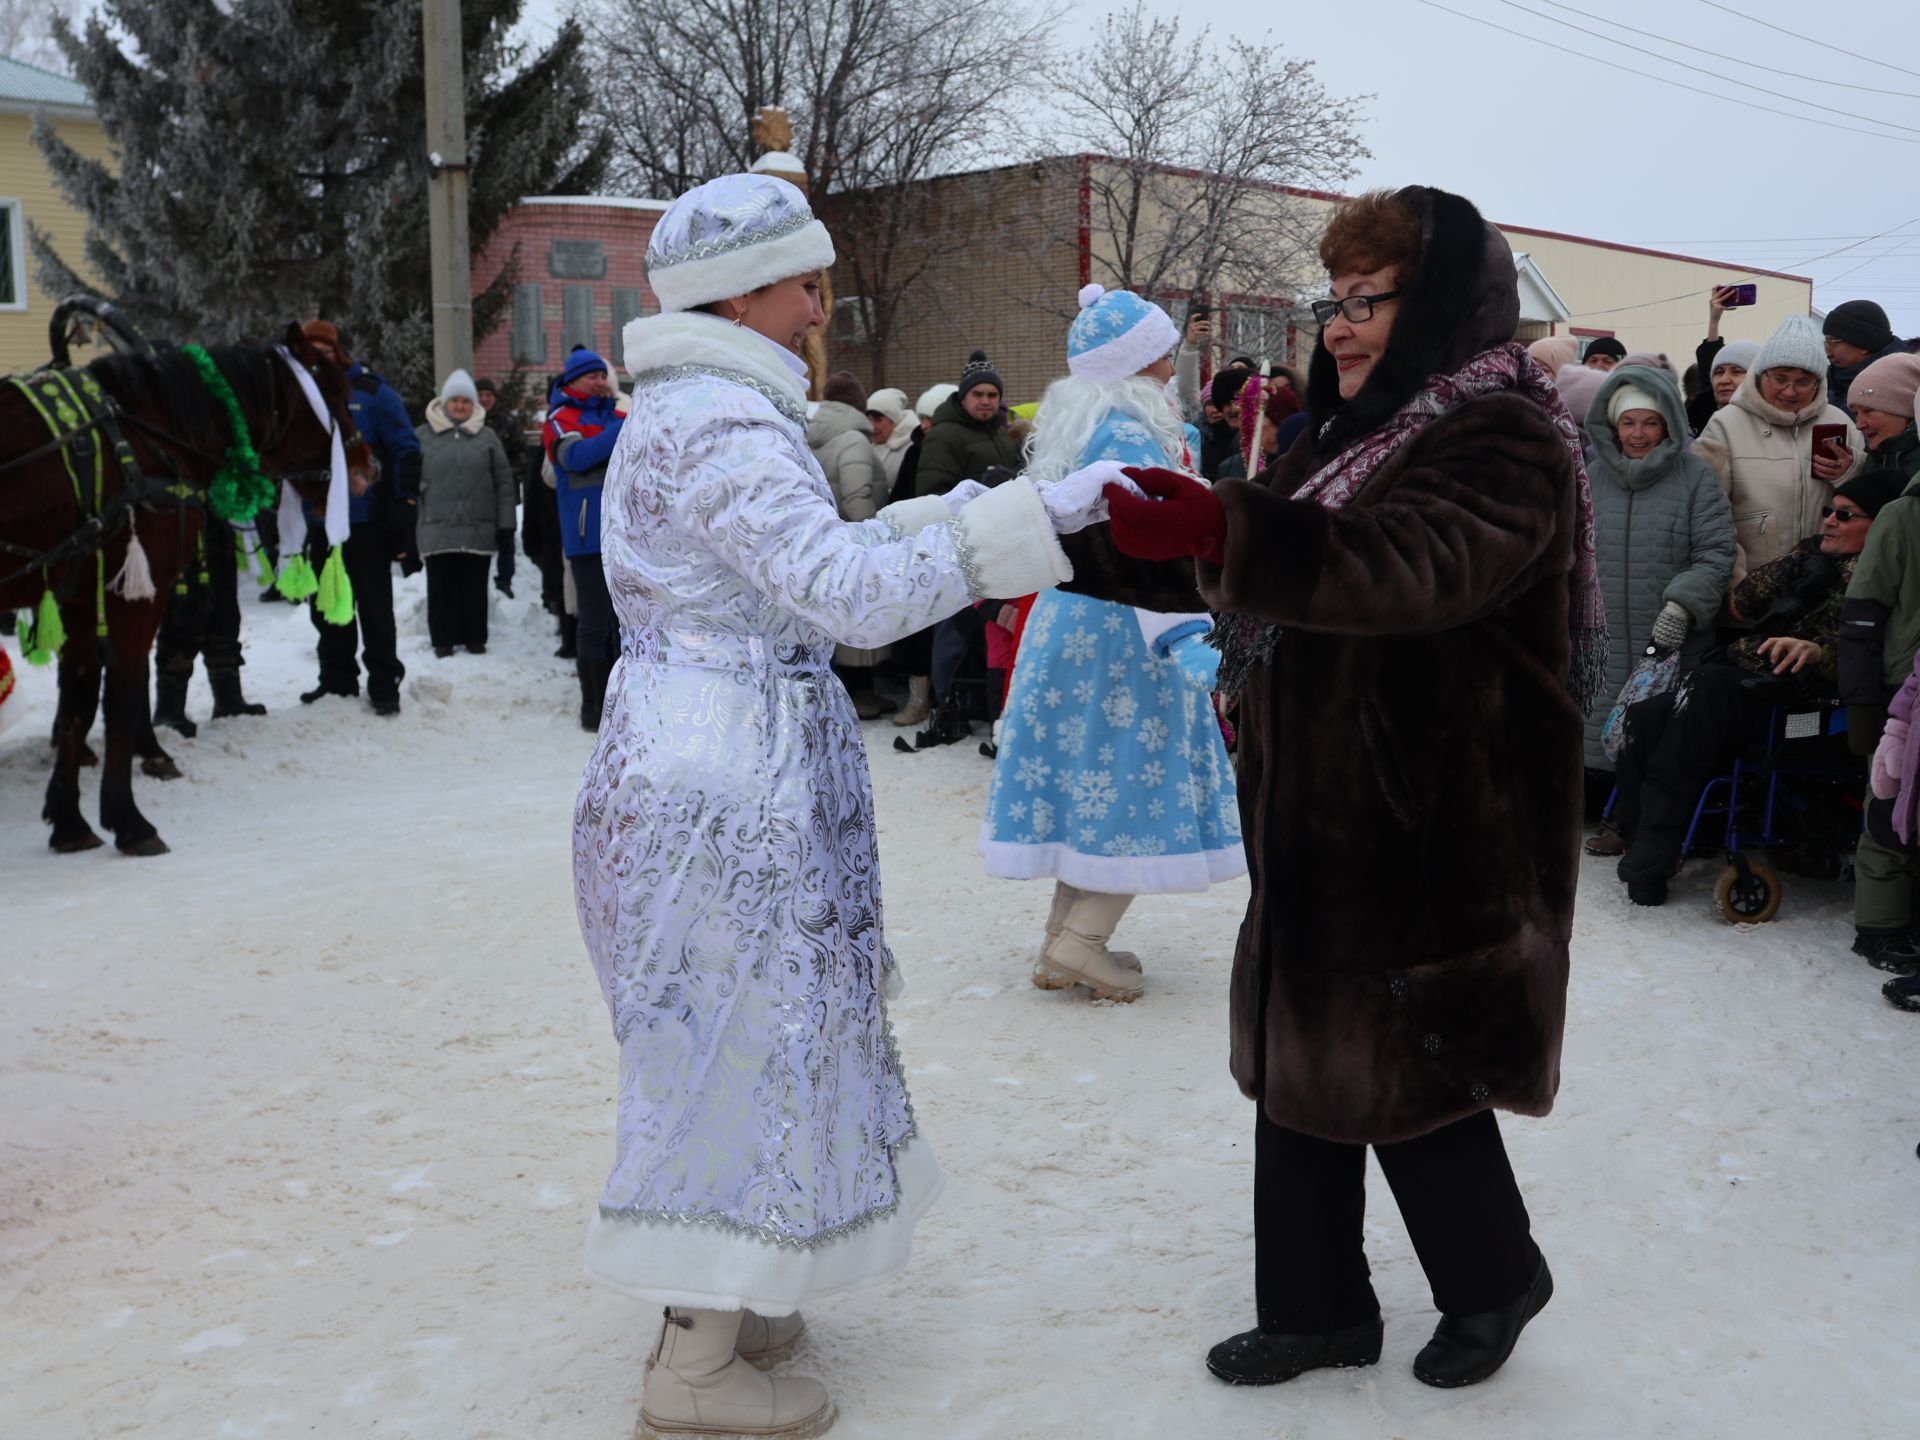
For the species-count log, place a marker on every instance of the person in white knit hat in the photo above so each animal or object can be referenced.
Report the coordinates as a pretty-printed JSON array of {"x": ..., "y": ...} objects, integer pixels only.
[
  {"x": 1761, "y": 446},
  {"x": 725, "y": 870},
  {"x": 1112, "y": 778}
]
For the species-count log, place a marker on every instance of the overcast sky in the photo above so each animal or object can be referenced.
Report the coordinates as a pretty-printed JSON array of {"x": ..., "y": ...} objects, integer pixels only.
[{"x": 1561, "y": 141}]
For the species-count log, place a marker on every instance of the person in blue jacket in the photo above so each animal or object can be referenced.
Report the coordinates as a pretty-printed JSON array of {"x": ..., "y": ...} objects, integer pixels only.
[
  {"x": 382, "y": 511},
  {"x": 582, "y": 426}
]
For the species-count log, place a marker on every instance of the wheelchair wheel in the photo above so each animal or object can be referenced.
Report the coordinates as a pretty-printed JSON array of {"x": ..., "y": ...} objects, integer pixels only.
[{"x": 1749, "y": 901}]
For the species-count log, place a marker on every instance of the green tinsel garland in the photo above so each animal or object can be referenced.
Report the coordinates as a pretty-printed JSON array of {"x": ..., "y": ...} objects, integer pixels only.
[{"x": 239, "y": 490}]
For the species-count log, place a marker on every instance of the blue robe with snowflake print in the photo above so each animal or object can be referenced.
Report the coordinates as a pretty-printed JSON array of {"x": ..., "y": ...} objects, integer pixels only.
[{"x": 1112, "y": 774}]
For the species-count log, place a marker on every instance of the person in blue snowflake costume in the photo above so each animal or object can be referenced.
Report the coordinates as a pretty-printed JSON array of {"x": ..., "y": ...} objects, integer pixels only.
[{"x": 1112, "y": 777}]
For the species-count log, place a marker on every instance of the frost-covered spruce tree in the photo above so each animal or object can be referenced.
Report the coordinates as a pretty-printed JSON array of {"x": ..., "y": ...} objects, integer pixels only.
[{"x": 271, "y": 164}]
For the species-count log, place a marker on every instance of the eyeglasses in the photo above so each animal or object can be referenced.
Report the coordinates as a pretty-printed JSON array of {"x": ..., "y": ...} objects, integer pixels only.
[
  {"x": 1783, "y": 382},
  {"x": 1357, "y": 309},
  {"x": 1843, "y": 516}
]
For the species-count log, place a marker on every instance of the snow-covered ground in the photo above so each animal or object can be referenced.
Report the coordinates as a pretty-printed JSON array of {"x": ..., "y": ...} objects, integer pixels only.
[{"x": 303, "y": 1122}]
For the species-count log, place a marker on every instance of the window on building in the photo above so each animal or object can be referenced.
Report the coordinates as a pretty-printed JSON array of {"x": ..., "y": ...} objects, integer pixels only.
[
  {"x": 529, "y": 341},
  {"x": 627, "y": 306},
  {"x": 1260, "y": 331},
  {"x": 576, "y": 316},
  {"x": 849, "y": 323},
  {"x": 13, "y": 256}
]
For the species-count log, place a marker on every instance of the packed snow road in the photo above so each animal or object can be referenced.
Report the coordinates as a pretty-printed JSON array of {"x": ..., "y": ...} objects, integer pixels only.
[{"x": 303, "y": 1123}]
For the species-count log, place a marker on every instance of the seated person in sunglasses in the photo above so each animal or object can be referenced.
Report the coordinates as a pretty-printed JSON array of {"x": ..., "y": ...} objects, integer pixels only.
[{"x": 1675, "y": 742}]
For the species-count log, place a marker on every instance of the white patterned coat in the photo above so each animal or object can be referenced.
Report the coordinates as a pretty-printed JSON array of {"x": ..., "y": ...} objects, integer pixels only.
[{"x": 724, "y": 862}]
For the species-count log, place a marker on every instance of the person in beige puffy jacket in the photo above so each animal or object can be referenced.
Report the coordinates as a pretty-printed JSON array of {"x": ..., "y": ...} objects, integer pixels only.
[
  {"x": 841, "y": 438},
  {"x": 1760, "y": 446}
]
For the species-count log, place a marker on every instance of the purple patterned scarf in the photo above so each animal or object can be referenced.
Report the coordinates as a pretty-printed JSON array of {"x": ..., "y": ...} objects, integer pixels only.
[{"x": 1245, "y": 641}]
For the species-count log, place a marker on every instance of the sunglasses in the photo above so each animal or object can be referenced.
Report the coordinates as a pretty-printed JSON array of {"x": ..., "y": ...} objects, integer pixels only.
[{"x": 1841, "y": 515}]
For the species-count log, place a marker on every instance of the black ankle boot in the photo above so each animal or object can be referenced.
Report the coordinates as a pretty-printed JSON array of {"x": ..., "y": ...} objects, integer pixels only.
[
  {"x": 170, "y": 704},
  {"x": 228, "y": 700},
  {"x": 1466, "y": 1349},
  {"x": 593, "y": 693},
  {"x": 1265, "y": 1357},
  {"x": 569, "y": 639}
]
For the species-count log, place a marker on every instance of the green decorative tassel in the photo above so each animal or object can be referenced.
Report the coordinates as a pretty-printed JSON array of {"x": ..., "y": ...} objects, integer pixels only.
[
  {"x": 43, "y": 642},
  {"x": 335, "y": 599},
  {"x": 240, "y": 490},
  {"x": 296, "y": 580}
]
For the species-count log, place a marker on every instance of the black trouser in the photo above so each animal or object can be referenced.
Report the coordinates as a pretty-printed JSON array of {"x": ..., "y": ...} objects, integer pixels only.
[
  {"x": 368, "y": 556},
  {"x": 1456, "y": 1194},
  {"x": 599, "y": 636},
  {"x": 206, "y": 620},
  {"x": 457, "y": 599},
  {"x": 960, "y": 651},
  {"x": 1672, "y": 749},
  {"x": 914, "y": 655}
]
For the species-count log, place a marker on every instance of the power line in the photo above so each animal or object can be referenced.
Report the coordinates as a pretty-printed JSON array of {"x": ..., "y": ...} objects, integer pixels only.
[
  {"x": 1751, "y": 64},
  {"x": 1696, "y": 69},
  {"x": 1662, "y": 80},
  {"x": 1809, "y": 40}
]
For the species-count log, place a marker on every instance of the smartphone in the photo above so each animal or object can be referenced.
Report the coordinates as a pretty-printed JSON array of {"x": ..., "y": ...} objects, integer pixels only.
[
  {"x": 1734, "y": 296},
  {"x": 1823, "y": 434},
  {"x": 1199, "y": 310}
]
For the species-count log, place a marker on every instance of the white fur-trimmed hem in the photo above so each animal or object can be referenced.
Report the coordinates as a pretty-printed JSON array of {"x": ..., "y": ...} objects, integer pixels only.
[
  {"x": 705, "y": 1268},
  {"x": 910, "y": 517},
  {"x": 1187, "y": 873},
  {"x": 1007, "y": 542},
  {"x": 741, "y": 270}
]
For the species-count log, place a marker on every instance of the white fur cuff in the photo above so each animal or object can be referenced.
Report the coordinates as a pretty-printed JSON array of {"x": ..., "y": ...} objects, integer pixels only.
[
  {"x": 1007, "y": 545},
  {"x": 910, "y": 517},
  {"x": 741, "y": 270}
]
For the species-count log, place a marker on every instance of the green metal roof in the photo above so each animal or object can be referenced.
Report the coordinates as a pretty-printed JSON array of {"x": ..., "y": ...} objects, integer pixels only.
[{"x": 24, "y": 84}]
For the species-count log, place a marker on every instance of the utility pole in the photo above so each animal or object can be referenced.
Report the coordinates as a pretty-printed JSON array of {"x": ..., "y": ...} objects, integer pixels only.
[{"x": 447, "y": 188}]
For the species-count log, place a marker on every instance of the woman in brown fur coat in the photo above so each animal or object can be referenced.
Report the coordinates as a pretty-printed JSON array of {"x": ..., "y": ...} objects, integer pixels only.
[{"x": 1411, "y": 619}]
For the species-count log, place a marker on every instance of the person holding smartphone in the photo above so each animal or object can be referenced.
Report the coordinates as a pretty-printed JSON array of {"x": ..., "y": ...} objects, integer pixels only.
[
  {"x": 1723, "y": 364},
  {"x": 1778, "y": 448}
]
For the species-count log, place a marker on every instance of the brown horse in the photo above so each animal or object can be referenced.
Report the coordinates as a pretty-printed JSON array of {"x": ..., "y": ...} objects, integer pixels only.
[{"x": 178, "y": 434}]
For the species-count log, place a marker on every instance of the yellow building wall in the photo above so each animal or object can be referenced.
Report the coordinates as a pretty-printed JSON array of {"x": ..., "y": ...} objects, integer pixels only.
[
  {"x": 1610, "y": 290},
  {"x": 24, "y": 177}
]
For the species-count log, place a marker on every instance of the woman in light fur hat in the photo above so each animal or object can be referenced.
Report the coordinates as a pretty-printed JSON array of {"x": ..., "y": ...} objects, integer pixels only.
[
  {"x": 466, "y": 504},
  {"x": 1760, "y": 446},
  {"x": 725, "y": 869}
]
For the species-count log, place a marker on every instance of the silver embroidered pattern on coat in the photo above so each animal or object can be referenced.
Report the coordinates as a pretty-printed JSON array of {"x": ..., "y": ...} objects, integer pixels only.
[
  {"x": 793, "y": 409},
  {"x": 724, "y": 857}
]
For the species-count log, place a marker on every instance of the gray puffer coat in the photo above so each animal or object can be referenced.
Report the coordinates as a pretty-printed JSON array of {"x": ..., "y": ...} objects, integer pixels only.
[
  {"x": 466, "y": 485},
  {"x": 1664, "y": 531}
]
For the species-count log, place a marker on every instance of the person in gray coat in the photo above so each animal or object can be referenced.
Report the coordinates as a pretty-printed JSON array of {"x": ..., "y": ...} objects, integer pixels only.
[
  {"x": 466, "y": 504},
  {"x": 1663, "y": 529},
  {"x": 841, "y": 438}
]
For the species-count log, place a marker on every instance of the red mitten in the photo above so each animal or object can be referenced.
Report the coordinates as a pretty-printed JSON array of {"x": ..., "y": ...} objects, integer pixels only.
[{"x": 1185, "y": 517}]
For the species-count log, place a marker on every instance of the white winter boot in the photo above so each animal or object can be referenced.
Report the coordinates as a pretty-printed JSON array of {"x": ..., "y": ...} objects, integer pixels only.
[
  {"x": 1045, "y": 979},
  {"x": 762, "y": 1342},
  {"x": 919, "y": 702},
  {"x": 1079, "y": 954},
  {"x": 697, "y": 1385}
]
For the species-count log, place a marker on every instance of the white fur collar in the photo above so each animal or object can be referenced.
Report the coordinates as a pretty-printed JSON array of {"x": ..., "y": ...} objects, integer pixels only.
[{"x": 662, "y": 342}]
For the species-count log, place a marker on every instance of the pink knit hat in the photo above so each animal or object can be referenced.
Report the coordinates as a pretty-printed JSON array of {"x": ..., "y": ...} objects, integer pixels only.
[{"x": 1888, "y": 384}]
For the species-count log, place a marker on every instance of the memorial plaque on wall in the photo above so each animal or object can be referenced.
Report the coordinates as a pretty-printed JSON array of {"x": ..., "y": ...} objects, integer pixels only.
[
  {"x": 576, "y": 316},
  {"x": 529, "y": 338},
  {"x": 577, "y": 260}
]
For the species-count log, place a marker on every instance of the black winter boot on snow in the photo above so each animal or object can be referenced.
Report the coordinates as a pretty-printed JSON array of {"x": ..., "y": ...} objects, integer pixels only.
[
  {"x": 1893, "y": 950},
  {"x": 170, "y": 704},
  {"x": 1466, "y": 1349},
  {"x": 593, "y": 693},
  {"x": 1264, "y": 1357},
  {"x": 228, "y": 700},
  {"x": 569, "y": 638},
  {"x": 1904, "y": 993},
  {"x": 323, "y": 689}
]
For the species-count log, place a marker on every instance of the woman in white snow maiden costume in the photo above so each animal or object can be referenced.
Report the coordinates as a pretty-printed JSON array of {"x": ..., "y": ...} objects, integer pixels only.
[
  {"x": 1112, "y": 776},
  {"x": 724, "y": 863}
]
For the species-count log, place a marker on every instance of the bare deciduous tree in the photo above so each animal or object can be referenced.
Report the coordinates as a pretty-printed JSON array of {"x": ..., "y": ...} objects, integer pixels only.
[
  {"x": 1198, "y": 144},
  {"x": 27, "y": 33},
  {"x": 882, "y": 93}
]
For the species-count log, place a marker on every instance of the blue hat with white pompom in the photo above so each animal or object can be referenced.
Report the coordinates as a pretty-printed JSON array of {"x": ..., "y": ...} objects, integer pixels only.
[{"x": 1117, "y": 334}]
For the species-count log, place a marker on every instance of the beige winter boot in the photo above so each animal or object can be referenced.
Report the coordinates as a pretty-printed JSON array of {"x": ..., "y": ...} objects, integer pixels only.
[
  {"x": 698, "y": 1386},
  {"x": 1079, "y": 952},
  {"x": 1045, "y": 979},
  {"x": 919, "y": 702},
  {"x": 762, "y": 1342}
]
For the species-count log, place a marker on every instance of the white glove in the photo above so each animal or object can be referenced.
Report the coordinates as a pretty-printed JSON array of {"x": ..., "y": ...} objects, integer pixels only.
[
  {"x": 962, "y": 493},
  {"x": 1670, "y": 626},
  {"x": 1078, "y": 500}
]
